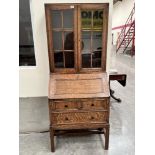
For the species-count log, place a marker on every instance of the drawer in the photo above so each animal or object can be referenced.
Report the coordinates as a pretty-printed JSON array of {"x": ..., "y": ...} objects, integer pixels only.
[
  {"x": 63, "y": 105},
  {"x": 79, "y": 117},
  {"x": 80, "y": 104},
  {"x": 95, "y": 104}
]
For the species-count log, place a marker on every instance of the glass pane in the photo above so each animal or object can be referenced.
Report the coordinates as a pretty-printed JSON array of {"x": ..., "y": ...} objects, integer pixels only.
[
  {"x": 26, "y": 45},
  {"x": 86, "y": 60},
  {"x": 97, "y": 40},
  {"x": 69, "y": 59},
  {"x": 96, "y": 59},
  {"x": 57, "y": 40},
  {"x": 26, "y": 56},
  {"x": 86, "y": 19},
  {"x": 69, "y": 41},
  {"x": 68, "y": 18},
  {"x": 86, "y": 41},
  {"x": 56, "y": 19},
  {"x": 98, "y": 19},
  {"x": 97, "y": 49},
  {"x": 58, "y": 60}
]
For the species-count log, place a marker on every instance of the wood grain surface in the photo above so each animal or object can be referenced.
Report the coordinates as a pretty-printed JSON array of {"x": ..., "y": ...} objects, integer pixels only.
[
  {"x": 81, "y": 104},
  {"x": 79, "y": 117},
  {"x": 63, "y": 86}
]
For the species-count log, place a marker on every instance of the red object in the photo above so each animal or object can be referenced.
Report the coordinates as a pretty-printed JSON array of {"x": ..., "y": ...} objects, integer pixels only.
[
  {"x": 122, "y": 26},
  {"x": 127, "y": 34}
]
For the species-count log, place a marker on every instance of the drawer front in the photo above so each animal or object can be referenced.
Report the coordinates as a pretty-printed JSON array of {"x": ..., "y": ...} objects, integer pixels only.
[
  {"x": 63, "y": 105},
  {"x": 95, "y": 104},
  {"x": 79, "y": 117},
  {"x": 80, "y": 104}
]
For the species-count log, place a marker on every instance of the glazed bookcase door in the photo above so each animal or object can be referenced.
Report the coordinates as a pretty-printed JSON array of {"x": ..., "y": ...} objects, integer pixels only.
[
  {"x": 92, "y": 37},
  {"x": 77, "y": 37},
  {"x": 61, "y": 24}
]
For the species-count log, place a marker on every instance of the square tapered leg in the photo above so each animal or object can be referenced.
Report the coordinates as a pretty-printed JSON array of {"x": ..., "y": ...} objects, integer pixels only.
[{"x": 52, "y": 139}]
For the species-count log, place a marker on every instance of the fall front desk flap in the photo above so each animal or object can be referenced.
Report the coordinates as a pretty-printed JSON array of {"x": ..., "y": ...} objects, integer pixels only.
[{"x": 78, "y": 86}]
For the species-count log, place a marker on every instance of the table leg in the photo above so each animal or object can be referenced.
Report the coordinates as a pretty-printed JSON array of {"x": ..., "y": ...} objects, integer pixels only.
[
  {"x": 112, "y": 95},
  {"x": 52, "y": 139}
]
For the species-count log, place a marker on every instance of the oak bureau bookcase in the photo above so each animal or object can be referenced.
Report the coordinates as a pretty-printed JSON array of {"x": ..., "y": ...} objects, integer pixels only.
[{"x": 78, "y": 85}]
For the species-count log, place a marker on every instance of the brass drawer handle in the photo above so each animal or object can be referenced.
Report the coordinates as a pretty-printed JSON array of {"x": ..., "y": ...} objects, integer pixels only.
[
  {"x": 66, "y": 106},
  {"x": 92, "y": 104},
  {"x": 66, "y": 118},
  {"x": 92, "y": 118}
]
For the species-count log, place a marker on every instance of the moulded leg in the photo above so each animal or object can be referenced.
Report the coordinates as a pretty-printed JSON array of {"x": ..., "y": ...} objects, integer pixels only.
[
  {"x": 106, "y": 138},
  {"x": 52, "y": 139}
]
